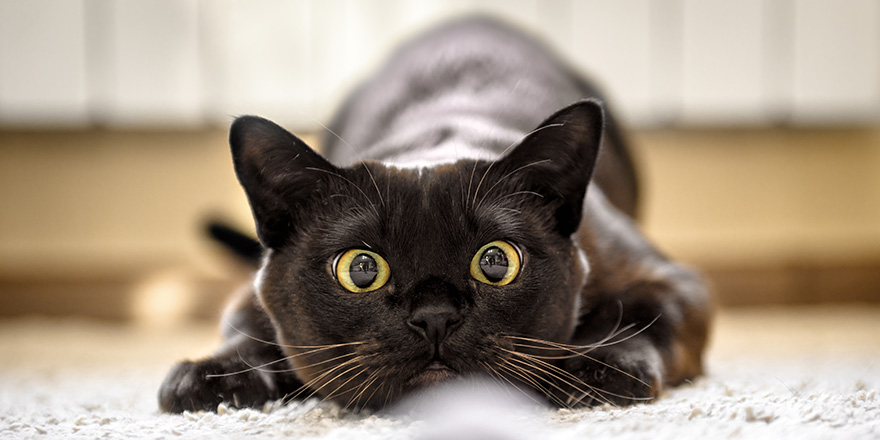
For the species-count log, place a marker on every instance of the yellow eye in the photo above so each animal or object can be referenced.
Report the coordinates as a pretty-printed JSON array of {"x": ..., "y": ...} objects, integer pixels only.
[
  {"x": 361, "y": 271},
  {"x": 496, "y": 263}
]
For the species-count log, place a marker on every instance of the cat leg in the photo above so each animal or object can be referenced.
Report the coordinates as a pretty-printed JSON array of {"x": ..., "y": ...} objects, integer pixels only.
[
  {"x": 643, "y": 321},
  {"x": 636, "y": 341},
  {"x": 629, "y": 373},
  {"x": 248, "y": 370}
]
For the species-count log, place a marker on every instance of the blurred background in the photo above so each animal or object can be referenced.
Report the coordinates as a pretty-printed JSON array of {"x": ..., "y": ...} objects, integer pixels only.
[{"x": 755, "y": 125}]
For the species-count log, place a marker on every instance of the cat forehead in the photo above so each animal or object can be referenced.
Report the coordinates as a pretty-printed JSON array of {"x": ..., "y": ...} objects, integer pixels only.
[
  {"x": 432, "y": 184},
  {"x": 463, "y": 185},
  {"x": 417, "y": 176},
  {"x": 457, "y": 196}
]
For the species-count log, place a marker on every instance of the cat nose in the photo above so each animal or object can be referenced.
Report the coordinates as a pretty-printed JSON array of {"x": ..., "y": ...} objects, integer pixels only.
[{"x": 435, "y": 322}]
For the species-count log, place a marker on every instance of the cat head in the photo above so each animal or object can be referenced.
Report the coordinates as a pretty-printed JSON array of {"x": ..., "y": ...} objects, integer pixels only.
[{"x": 380, "y": 281}]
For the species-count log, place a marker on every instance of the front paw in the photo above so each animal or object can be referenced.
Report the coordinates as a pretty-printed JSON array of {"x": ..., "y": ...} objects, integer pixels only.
[
  {"x": 613, "y": 375},
  {"x": 202, "y": 385}
]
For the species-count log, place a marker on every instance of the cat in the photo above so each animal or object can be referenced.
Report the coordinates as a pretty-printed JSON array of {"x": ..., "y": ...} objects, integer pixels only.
[{"x": 471, "y": 215}]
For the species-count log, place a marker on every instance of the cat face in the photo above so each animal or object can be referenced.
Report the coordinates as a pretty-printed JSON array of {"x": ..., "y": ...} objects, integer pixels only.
[{"x": 380, "y": 281}]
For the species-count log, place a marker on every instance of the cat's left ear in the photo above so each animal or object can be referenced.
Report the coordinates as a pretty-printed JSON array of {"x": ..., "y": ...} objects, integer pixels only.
[
  {"x": 558, "y": 159},
  {"x": 279, "y": 173}
]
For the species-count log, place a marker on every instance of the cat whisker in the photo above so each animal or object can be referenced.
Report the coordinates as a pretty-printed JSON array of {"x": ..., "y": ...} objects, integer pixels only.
[
  {"x": 324, "y": 347},
  {"x": 387, "y": 398},
  {"x": 517, "y": 193},
  {"x": 492, "y": 128},
  {"x": 495, "y": 375},
  {"x": 375, "y": 185},
  {"x": 524, "y": 374},
  {"x": 318, "y": 349},
  {"x": 548, "y": 369},
  {"x": 582, "y": 349},
  {"x": 532, "y": 377},
  {"x": 250, "y": 368},
  {"x": 306, "y": 347},
  {"x": 304, "y": 367},
  {"x": 517, "y": 211},
  {"x": 551, "y": 358},
  {"x": 373, "y": 206},
  {"x": 330, "y": 370},
  {"x": 628, "y": 337},
  {"x": 527, "y": 377},
  {"x": 578, "y": 380},
  {"x": 337, "y": 136},
  {"x": 261, "y": 367},
  {"x": 611, "y": 334},
  {"x": 575, "y": 350},
  {"x": 503, "y": 153},
  {"x": 333, "y": 394},
  {"x": 614, "y": 332},
  {"x": 470, "y": 182},
  {"x": 381, "y": 385},
  {"x": 503, "y": 178},
  {"x": 585, "y": 356},
  {"x": 341, "y": 195},
  {"x": 549, "y": 345},
  {"x": 364, "y": 386},
  {"x": 334, "y": 134}
]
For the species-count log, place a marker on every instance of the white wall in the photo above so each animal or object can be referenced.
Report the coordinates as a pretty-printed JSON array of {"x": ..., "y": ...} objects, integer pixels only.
[{"x": 187, "y": 63}]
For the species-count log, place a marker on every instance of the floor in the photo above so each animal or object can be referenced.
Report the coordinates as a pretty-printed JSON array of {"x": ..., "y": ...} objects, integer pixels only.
[{"x": 795, "y": 372}]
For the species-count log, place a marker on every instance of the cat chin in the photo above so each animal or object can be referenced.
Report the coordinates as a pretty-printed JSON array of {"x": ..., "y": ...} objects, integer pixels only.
[{"x": 433, "y": 374}]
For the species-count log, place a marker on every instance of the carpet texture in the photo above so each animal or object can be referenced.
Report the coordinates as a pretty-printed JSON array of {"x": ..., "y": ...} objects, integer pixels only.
[{"x": 805, "y": 373}]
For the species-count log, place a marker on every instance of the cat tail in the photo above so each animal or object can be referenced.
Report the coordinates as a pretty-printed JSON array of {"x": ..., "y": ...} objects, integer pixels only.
[{"x": 246, "y": 248}]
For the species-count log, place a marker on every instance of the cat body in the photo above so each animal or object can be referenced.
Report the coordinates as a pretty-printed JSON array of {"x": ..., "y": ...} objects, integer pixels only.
[{"x": 450, "y": 234}]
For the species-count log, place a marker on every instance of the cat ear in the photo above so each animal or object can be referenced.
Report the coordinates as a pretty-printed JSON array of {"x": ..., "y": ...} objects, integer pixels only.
[
  {"x": 276, "y": 170},
  {"x": 558, "y": 158}
]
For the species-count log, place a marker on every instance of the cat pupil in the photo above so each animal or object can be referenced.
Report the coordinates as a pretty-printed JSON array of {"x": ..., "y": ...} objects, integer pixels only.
[
  {"x": 363, "y": 270},
  {"x": 494, "y": 264}
]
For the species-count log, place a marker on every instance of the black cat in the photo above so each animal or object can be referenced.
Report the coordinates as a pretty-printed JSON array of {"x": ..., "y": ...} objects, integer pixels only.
[{"x": 450, "y": 234}]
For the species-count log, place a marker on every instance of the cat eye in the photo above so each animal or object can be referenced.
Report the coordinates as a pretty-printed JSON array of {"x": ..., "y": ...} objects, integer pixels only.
[
  {"x": 361, "y": 271},
  {"x": 496, "y": 263}
]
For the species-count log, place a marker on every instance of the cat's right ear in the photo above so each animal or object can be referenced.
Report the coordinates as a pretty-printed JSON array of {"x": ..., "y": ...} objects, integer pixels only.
[{"x": 277, "y": 171}]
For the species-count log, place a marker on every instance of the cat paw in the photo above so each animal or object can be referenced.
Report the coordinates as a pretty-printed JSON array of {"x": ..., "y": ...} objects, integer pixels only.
[
  {"x": 203, "y": 385},
  {"x": 614, "y": 377}
]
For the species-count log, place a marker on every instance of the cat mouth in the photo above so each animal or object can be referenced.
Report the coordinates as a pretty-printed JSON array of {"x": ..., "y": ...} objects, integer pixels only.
[{"x": 435, "y": 372}]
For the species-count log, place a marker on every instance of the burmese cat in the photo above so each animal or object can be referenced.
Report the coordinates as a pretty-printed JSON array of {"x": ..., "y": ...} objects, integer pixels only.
[{"x": 450, "y": 232}]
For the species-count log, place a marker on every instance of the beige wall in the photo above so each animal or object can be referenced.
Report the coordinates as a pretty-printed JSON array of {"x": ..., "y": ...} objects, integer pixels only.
[
  {"x": 110, "y": 203},
  {"x": 764, "y": 197}
]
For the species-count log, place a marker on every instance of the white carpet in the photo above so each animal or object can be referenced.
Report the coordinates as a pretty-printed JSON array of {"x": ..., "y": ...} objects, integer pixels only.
[{"x": 789, "y": 373}]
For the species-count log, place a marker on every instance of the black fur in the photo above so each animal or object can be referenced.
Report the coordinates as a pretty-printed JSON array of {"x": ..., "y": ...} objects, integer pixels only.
[{"x": 596, "y": 314}]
